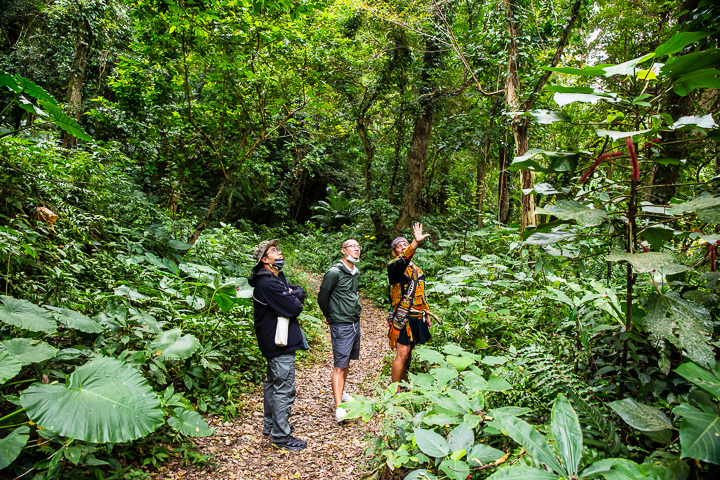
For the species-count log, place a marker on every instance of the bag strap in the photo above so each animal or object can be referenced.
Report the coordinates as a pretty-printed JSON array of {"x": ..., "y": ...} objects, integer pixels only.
[{"x": 410, "y": 291}]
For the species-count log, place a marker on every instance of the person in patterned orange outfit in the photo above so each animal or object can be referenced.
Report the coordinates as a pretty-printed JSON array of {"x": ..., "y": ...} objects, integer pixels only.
[{"x": 410, "y": 323}]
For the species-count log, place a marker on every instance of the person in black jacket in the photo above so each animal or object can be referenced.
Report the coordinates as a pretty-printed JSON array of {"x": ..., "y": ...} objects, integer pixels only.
[{"x": 274, "y": 297}]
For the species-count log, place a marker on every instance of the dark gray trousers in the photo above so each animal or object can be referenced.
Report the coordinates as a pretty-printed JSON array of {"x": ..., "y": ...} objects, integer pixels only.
[{"x": 279, "y": 396}]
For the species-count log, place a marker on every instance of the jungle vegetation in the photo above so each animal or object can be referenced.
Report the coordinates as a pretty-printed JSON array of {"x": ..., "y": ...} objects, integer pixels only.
[{"x": 563, "y": 154}]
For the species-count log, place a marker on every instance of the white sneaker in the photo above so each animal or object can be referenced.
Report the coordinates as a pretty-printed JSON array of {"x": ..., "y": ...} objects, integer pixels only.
[
  {"x": 340, "y": 414},
  {"x": 346, "y": 397}
]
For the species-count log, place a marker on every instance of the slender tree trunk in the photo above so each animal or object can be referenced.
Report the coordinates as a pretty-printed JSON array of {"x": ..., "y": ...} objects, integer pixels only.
[
  {"x": 480, "y": 187},
  {"x": 77, "y": 77},
  {"x": 482, "y": 166},
  {"x": 503, "y": 187},
  {"x": 519, "y": 123},
  {"x": 369, "y": 148},
  {"x": 213, "y": 205}
]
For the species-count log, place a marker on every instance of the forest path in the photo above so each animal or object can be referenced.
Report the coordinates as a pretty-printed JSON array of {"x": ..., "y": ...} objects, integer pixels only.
[{"x": 241, "y": 452}]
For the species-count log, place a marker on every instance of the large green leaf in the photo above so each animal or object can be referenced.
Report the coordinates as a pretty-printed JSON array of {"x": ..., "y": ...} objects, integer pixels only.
[
  {"x": 12, "y": 445},
  {"x": 563, "y": 99},
  {"x": 595, "y": 71},
  {"x": 648, "y": 261},
  {"x": 560, "y": 162},
  {"x": 498, "y": 384},
  {"x": 455, "y": 469},
  {"x": 461, "y": 363},
  {"x": 547, "y": 117},
  {"x": 522, "y": 472},
  {"x": 640, "y": 416},
  {"x": 707, "y": 380},
  {"x": 76, "y": 320},
  {"x": 685, "y": 324},
  {"x": 9, "y": 367},
  {"x": 707, "y": 78},
  {"x": 540, "y": 238},
  {"x": 627, "y": 68},
  {"x": 26, "y": 315},
  {"x": 174, "y": 345},
  {"x": 699, "y": 434},
  {"x": 572, "y": 210},
  {"x": 461, "y": 438},
  {"x": 702, "y": 121},
  {"x": 614, "y": 469},
  {"x": 615, "y": 135},
  {"x": 679, "y": 41},
  {"x": 533, "y": 442},
  {"x": 443, "y": 375},
  {"x": 429, "y": 355},
  {"x": 103, "y": 401},
  {"x": 34, "y": 90},
  {"x": 189, "y": 422},
  {"x": 430, "y": 443},
  {"x": 482, "y": 454},
  {"x": 566, "y": 429},
  {"x": 58, "y": 117},
  {"x": 28, "y": 350},
  {"x": 691, "y": 62},
  {"x": 420, "y": 474}
]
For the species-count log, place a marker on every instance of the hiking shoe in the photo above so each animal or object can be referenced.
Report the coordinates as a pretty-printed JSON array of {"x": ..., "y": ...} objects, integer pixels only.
[
  {"x": 340, "y": 414},
  {"x": 267, "y": 433},
  {"x": 291, "y": 443},
  {"x": 346, "y": 397}
]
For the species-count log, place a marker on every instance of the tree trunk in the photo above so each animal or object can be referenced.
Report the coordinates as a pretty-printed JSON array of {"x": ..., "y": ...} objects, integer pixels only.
[
  {"x": 480, "y": 187},
  {"x": 417, "y": 153},
  {"x": 369, "y": 148},
  {"x": 503, "y": 187},
  {"x": 77, "y": 76},
  {"x": 482, "y": 166},
  {"x": 519, "y": 123},
  {"x": 213, "y": 205}
]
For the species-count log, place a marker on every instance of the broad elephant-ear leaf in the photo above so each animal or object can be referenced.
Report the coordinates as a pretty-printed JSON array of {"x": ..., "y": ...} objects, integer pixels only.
[
  {"x": 9, "y": 367},
  {"x": 189, "y": 422},
  {"x": 430, "y": 443},
  {"x": 26, "y": 315},
  {"x": 699, "y": 434},
  {"x": 12, "y": 445},
  {"x": 28, "y": 350},
  {"x": 174, "y": 345},
  {"x": 103, "y": 401},
  {"x": 76, "y": 320},
  {"x": 58, "y": 117}
]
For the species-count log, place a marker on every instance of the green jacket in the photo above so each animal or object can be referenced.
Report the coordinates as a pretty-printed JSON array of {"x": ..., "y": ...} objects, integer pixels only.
[{"x": 338, "y": 298}]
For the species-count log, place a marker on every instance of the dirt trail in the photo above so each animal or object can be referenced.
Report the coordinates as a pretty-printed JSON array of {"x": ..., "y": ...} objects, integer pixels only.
[{"x": 334, "y": 451}]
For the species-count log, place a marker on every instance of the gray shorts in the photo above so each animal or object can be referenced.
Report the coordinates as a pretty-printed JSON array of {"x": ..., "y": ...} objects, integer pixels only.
[{"x": 345, "y": 342}]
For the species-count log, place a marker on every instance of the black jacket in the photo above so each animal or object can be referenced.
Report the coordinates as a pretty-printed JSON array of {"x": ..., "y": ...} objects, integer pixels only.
[{"x": 272, "y": 298}]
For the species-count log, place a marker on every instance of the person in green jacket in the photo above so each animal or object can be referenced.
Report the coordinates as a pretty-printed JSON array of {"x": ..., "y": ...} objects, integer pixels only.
[{"x": 338, "y": 299}]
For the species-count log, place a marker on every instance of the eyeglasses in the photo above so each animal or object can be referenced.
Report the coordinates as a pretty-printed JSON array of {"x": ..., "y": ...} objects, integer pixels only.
[
  {"x": 272, "y": 250},
  {"x": 356, "y": 247}
]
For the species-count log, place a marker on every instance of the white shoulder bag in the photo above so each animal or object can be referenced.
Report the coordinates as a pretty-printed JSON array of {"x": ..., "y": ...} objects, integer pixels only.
[{"x": 281, "y": 332}]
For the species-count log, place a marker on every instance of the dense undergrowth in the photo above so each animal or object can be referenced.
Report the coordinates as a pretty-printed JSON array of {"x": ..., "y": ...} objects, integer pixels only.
[{"x": 108, "y": 290}]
